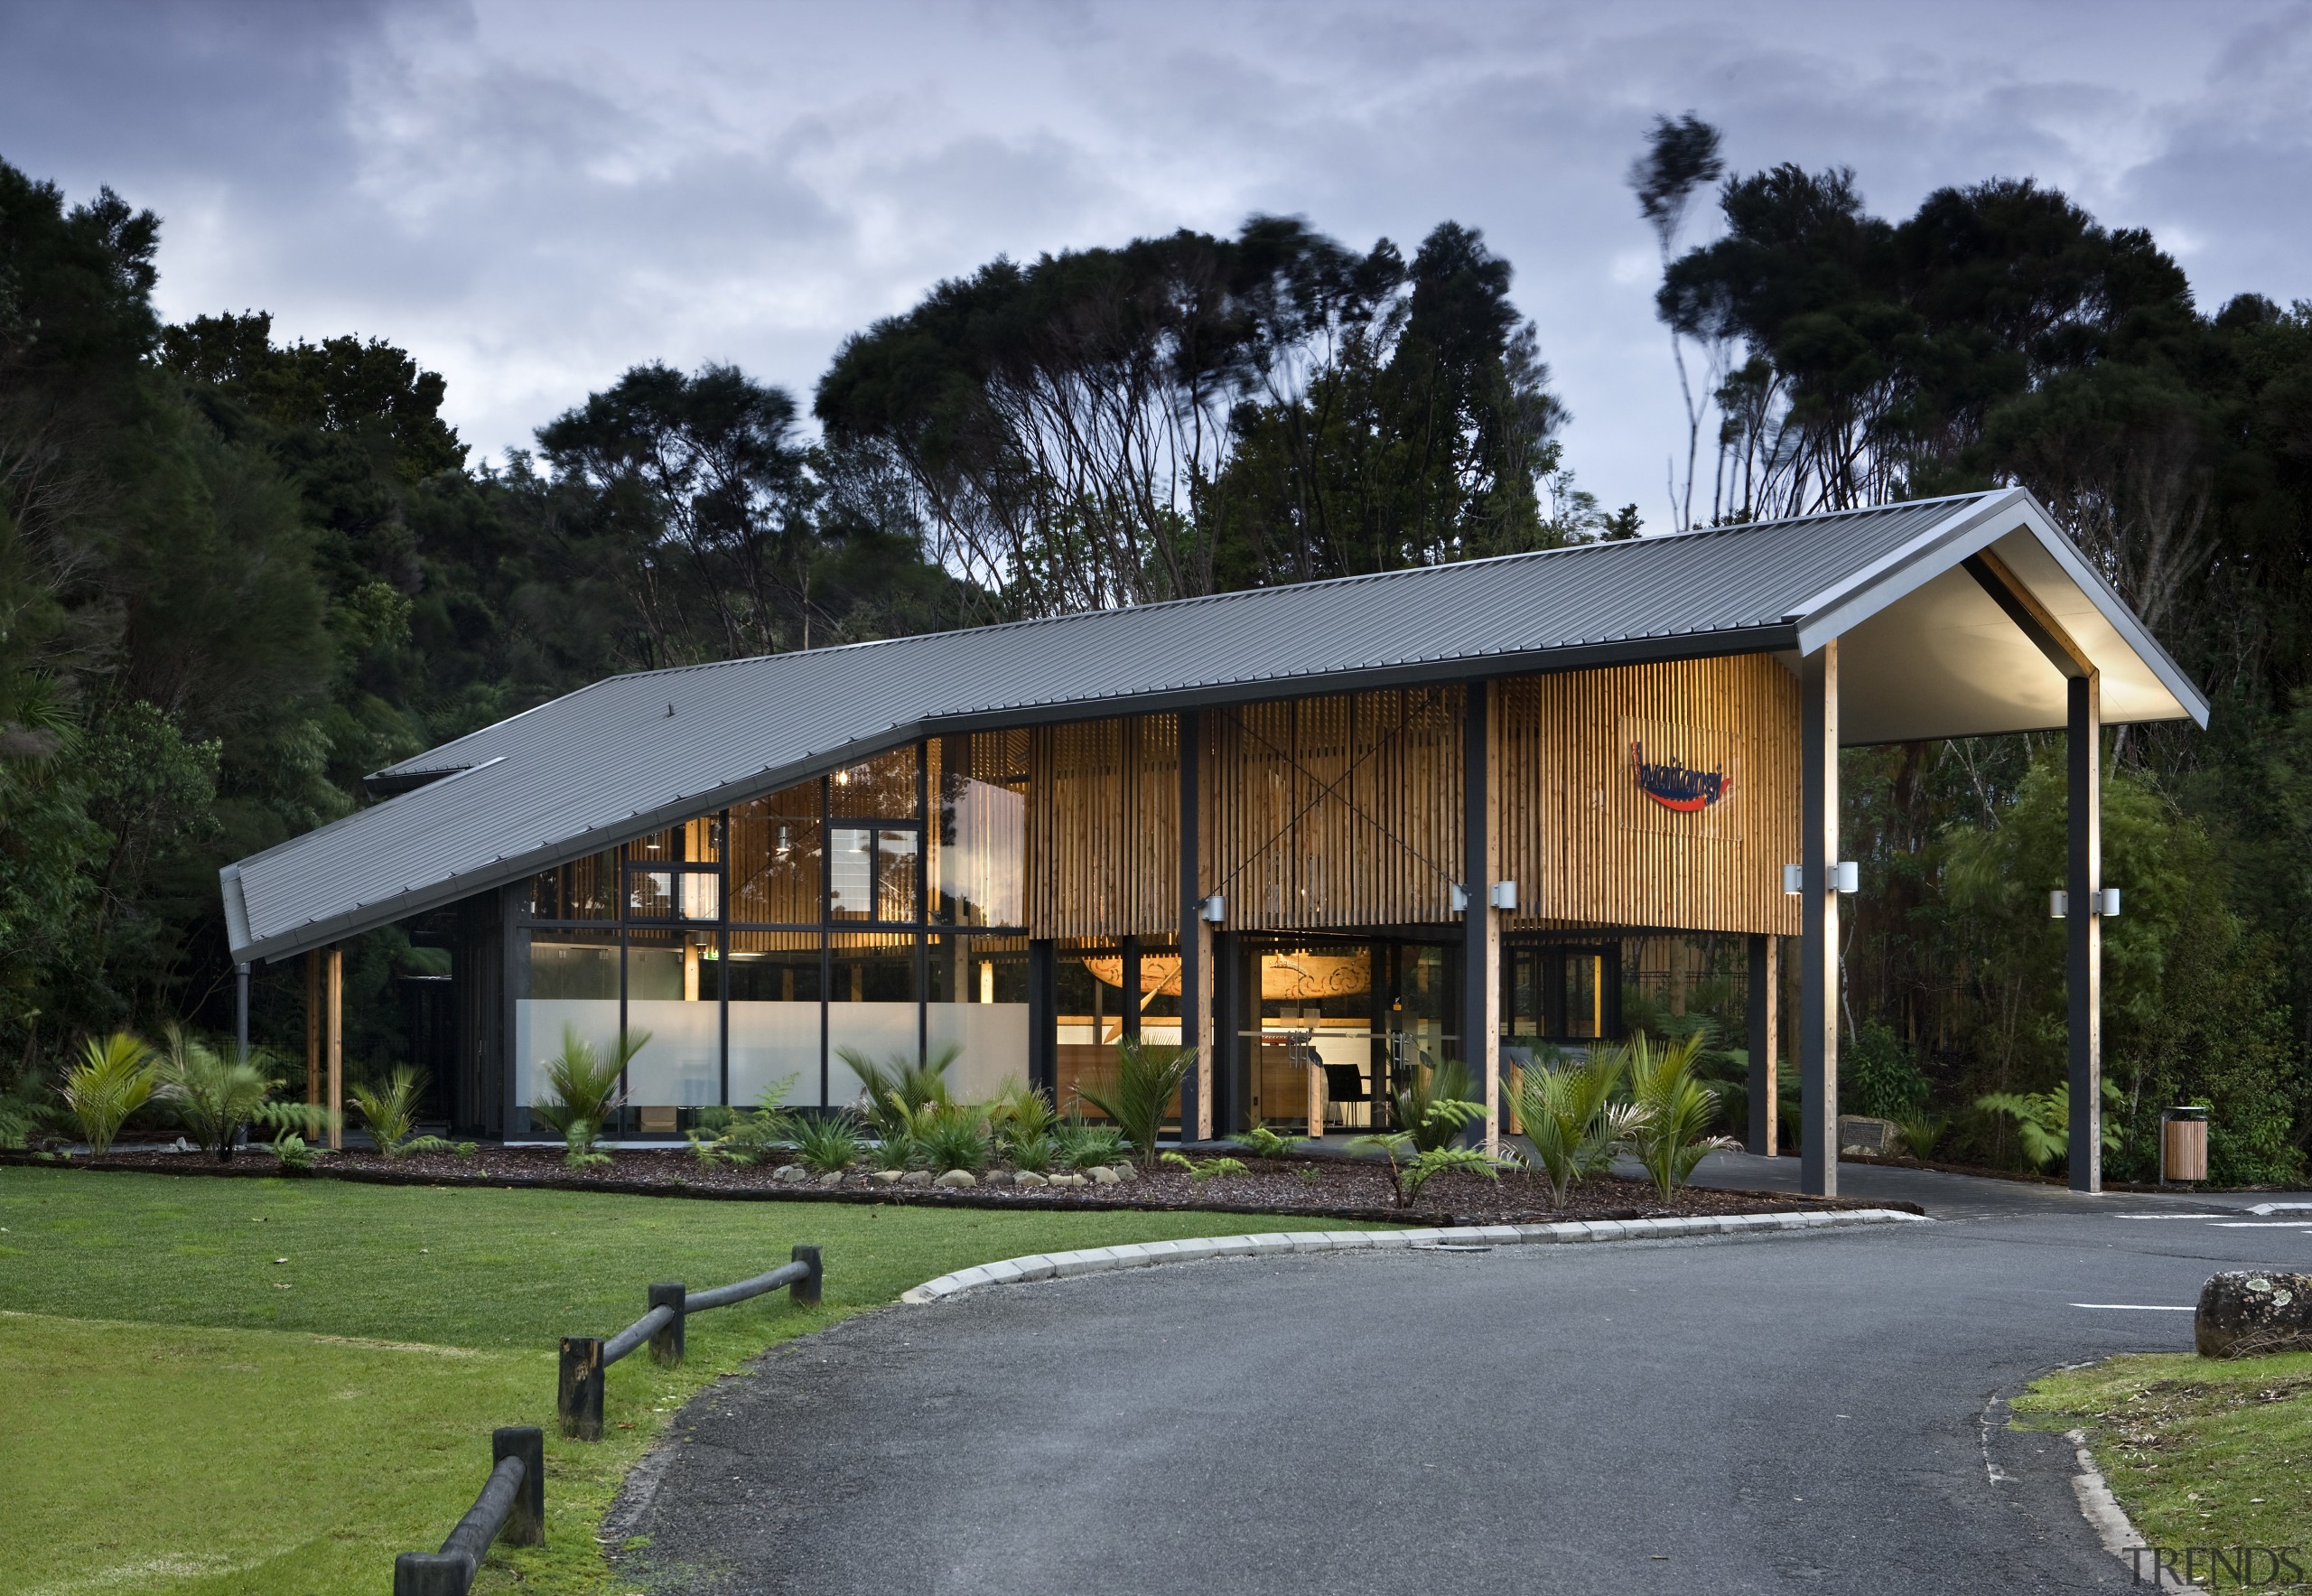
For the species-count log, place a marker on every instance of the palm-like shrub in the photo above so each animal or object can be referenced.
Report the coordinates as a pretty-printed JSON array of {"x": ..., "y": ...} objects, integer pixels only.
[
  {"x": 1035, "y": 1154},
  {"x": 1669, "y": 1132},
  {"x": 389, "y": 1108},
  {"x": 112, "y": 1079},
  {"x": 584, "y": 1081},
  {"x": 1572, "y": 1119},
  {"x": 1079, "y": 1144},
  {"x": 1147, "y": 1089},
  {"x": 826, "y": 1143},
  {"x": 899, "y": 1086},
  {"x": 213, "y": 1097}
]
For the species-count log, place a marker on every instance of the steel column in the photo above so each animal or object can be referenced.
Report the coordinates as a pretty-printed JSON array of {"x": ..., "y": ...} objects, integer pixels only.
[{"x": 1818, "y": 974}]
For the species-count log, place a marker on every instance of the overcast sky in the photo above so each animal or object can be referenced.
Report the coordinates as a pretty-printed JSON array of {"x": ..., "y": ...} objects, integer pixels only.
[{"x": 532, "y": 196}]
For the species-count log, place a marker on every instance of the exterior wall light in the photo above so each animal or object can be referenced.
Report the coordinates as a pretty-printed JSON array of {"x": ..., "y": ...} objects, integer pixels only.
[
  {"x": 1504, "y": 895},
  {"x": 1460, "y": 901},
  {"x": 1848, "y": 875},
  {"x": 1214, "y": 909},
  {"x": 2106, "y": 904},
  {"x": 1794, "y": 881}
]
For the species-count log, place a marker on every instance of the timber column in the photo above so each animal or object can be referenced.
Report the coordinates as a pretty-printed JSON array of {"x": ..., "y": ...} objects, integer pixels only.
[
  {"x": 1195, "y": 938},
  {"x": 1818, "y": 974},
  {"x": 2083, "y": 930},
  {"x": 1481, "y": 927}
]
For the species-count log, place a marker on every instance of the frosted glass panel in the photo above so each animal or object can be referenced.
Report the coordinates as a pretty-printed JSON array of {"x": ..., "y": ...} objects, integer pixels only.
[
  {"x": 538, "y": 1023},
  {"x": 878, "y": 1030},
  {"x": 772, "y": 1039},
  {"x": 682, "y": 1063},
  {"x": 994, "y": 1040}
]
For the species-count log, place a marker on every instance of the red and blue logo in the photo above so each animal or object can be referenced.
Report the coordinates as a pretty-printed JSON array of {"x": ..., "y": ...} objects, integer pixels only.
[{"x": 1675, "y": 785}]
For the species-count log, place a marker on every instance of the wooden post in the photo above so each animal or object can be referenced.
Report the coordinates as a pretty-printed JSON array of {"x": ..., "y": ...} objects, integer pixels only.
[
  {"x": 578, "y": 1394},
  {"x": 1481, "y": 924},
  {"x": 336, "y": 1048},
  {"x": 805, "y": 1293},
  {"x": 667, "y": 1342},
  {"x": 1766, "y": 986},
  {"x": 1818, "y": 975},
  {"x": 1196, "y": 937},
  {"x": 313, "y": 1029},
  {"x": 431, "y": 1573},
  {"x": 526, "y": 1525},
  {"x": 2084, "y": 930}
]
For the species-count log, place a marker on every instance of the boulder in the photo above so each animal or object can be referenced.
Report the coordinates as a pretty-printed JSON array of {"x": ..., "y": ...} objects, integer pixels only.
[
  {"x": 1873, "y": 1138},
  {"x": 1030, "y": 1177},
  {"x": 916, "y": 1178},
  {"x": 1125, "y": 1172},
  {"x": 1071, "y": 1180},
  {"x": 997, "y": 1177},
  {"x": 832, "y": 1177},
  {"x": 888, "y": 1176},
  {"x": 788, "y": 1175},
  {"x": 956, "y": 1179},
  {"x": 1102, "y": 1175},
  {"x": 2244, "y": 1312}
]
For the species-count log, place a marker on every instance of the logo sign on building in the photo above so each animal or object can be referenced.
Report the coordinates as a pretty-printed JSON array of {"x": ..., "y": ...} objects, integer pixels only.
[{"x": 1674, "y": 785}]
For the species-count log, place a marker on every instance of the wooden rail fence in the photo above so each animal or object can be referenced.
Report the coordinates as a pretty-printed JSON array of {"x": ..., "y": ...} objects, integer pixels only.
[
  {"x": 511, "y": 1507},
  {"x": 586, "y": 1359}
]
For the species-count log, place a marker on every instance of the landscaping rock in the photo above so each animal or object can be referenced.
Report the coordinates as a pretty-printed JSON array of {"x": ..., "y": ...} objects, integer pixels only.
[
  {"x": 956, "y": 1179},
  {"x": 1102, "y": 1175},
  {"x": 1071, "y": 1180},
  {"x": 1030, "y": 1177},
  {"x": 916, "y": 1178},
  {"x": 888, "y": 1176},
  {"x": 1125, "y": 1172},
  {"x": 2246, "y": 1312},
  {"x": 832, "y": 1177},
  {"x": 997, "y": 1177},
  {"x": 1875, "y": 1138},
  {"x": 788, "y": 1175}
]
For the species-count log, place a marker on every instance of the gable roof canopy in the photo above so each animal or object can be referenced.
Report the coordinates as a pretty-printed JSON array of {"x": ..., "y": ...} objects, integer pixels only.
[{"x": 1930, "y": 648}]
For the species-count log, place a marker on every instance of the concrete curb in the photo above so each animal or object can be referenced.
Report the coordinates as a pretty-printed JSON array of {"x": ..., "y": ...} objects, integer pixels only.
[{"x": 1100, "y": 1260}]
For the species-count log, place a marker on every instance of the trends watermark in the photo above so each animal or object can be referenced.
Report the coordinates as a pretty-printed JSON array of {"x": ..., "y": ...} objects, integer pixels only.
[{"x": 2248, "y": 1568}]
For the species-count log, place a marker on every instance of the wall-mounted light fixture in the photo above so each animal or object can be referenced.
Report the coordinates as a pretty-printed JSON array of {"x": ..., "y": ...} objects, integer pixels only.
[
  {"x": 1848, "y": 874},
  {"x": 1460, "y": 901},
  {"x": 1214, "y": 909},
  {"x": 2106, "y": 904},
  {"x": 1504, "y": 895}
]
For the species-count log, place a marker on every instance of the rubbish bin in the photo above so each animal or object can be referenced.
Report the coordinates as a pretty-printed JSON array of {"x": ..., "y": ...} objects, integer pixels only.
[{"x": 2183, "y": 1144}]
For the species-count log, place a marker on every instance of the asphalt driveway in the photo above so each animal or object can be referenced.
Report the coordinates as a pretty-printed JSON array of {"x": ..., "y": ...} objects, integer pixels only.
[{"x": 1811, "y": 1411}]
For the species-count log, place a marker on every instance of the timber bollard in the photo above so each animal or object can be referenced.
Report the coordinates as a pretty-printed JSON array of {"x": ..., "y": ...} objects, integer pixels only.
[
  {"x": 805, "y": 1293},
  {"x": 431, "y": 1573},
  {"x": 526, "y": 1520},
  {"x": 579, "y": 1397},
  {"x": 666, "y": 1340}
]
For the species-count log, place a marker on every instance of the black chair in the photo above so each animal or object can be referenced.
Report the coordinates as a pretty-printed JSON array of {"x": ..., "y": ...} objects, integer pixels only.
[{"x": 1345, "y": 1083}]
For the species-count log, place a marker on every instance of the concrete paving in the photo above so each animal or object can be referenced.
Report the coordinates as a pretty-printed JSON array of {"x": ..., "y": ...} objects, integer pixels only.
[{"x": 1816, "y": 1411}]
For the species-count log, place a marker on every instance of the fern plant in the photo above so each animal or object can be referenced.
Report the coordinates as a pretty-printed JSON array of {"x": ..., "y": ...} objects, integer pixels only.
[
  {"x": 1448, "y": 1081},
  {"x": 1211, "y": 1169},
  {"x": 1411, "y": 1166},
  {"x": 1261, "y": 1142},
  {"x": 1669, "y": 1132},
  {"x": 1573, "y": 1120},
  {"x": 2043, "y": 1121},
  {"x": 1148, "y": 1086},
  {"x": 112, "y": 1079}
]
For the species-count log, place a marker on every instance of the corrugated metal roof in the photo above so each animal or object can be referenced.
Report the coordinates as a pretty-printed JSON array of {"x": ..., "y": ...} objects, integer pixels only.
[{"x": 635, "y": 751}]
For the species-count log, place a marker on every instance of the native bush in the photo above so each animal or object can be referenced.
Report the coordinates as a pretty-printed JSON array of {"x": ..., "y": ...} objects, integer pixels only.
[
  {"x": 899, "y": 1085},
  {"x": 2042, "y": 1121},
  {"x": 214, "y": 1096},
  {"x": 584, "y": 1082},
  {"x": 951, "y": 1135},
  {"x": 1878, "y": 1075},
  {"x": 1447, "y": 1081},
  {"x": 1669, "y": 1130},
  {"x": 1413, "y": 1166},
  {"x": 1079, "y": 1144},
  {"x": 1570, "y": 1117},
  {"x": 1147, "y": 1089},
  {"x": 826, "y": 1143},
  {"x": 389, "y": 1108},
  {"x": 1261, "y": 1142},
  {"x": 112, "y": 1080}
]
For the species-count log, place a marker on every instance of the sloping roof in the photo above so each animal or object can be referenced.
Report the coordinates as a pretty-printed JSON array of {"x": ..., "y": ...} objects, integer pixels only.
[{"x": 635, "y": 752}]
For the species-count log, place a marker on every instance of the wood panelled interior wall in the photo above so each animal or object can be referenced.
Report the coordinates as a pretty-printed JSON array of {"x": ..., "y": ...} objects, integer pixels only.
[
  {"x": 1588, "y": 847},
  {"x": 1345, "y": 811}
]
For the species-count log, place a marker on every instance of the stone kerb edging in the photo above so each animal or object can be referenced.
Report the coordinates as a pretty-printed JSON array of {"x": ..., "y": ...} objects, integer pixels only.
[{"x": 1142, "y": 1255}]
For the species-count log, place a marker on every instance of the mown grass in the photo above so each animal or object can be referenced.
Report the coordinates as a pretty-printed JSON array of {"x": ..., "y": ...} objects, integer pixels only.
[
  {"x": 186, "y": 1414},
  {"x": 2200, "y": 1452}
]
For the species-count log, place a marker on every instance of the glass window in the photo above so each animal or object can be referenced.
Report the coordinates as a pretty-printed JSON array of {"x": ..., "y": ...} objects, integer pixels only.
[
  {"x": 979, "y": 845},
  {"x": 673, "y": 987},
  {"x": 1087, "y": 978},
  {"x": 583, "y": 889},
  {"x": 873, "y": 872},
  {"x": 775, "y": 989},
  {"x": 880, "y": 789},
  {"x": 775, "y": 861},
  {"x": 979, "y": 1004},
  {"x": 573, "y": 992},
  {"x": 674, "y": 893},
  {"x": 871, "y": 1006}
]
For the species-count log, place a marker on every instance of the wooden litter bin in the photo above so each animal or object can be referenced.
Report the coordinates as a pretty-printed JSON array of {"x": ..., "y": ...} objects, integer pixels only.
[{"x": 2183, "y": 1144}]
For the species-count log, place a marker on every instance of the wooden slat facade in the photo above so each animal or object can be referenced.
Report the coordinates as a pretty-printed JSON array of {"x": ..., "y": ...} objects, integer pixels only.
[{"x": 1345, "y": 811}]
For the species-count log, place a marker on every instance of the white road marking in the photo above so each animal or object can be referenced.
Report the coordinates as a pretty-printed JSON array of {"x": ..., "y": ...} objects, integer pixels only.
[
  {"x": 2225, "y": 1215},
  {"x": 2139, "y": 1307},
  {"x": 2279, "y": 1207},
  {"x": 2259, "y": 1224}
]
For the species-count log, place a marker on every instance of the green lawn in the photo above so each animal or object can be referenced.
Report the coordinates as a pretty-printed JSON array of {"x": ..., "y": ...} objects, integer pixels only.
[
  {"x": 187, "y": 1414},
  {"x": 2199, "y": 1453}
]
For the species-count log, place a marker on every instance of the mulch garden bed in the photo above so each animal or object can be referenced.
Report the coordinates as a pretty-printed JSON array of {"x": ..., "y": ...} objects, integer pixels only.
[{"x": 1289, "y": 1188}]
